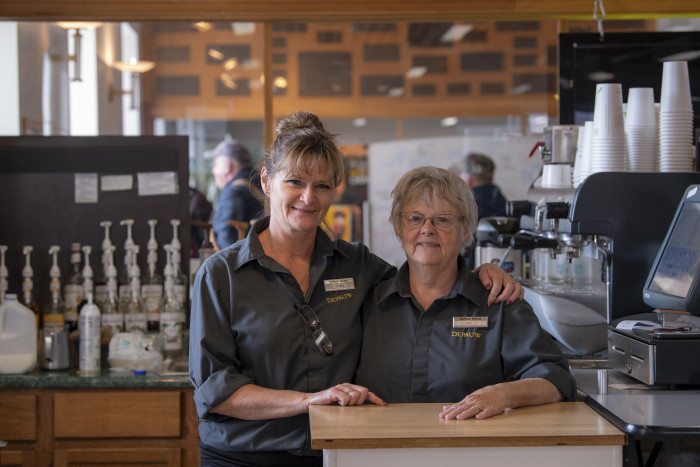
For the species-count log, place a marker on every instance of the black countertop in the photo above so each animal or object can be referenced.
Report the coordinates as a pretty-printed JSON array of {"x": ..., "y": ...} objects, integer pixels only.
[{"x": 106, "y": 379}]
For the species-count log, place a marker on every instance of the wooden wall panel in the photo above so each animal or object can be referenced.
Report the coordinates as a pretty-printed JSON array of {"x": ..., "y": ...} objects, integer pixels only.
[{"x": 333, "y": 10}]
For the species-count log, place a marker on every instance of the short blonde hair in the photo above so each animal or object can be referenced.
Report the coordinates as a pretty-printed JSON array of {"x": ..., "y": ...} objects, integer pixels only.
[{"x": 429, "y": 183}]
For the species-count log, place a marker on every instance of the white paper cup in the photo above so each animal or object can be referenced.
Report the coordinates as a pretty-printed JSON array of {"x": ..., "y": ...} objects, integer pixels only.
[
  {"x": 675, "y": 87},
  {"x": 608, "y": 114},
  {"x": 640, "y": 108},
  {"x": 556, "y": 176}
]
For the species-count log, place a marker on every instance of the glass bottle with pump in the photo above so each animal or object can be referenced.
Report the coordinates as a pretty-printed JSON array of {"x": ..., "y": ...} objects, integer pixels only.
[
  {"x": 180, "y": 280},
  {"x": 112, "y": 315},
  {"x": 134, "y": 313},
  {"x": 54, "y": 316},
  {"x": 73, "y": 288},
  {"x": 28, "y": 285},
  {"x": 152, "y": 283},
  {"x": 101, "y": 279},
  {"x": 125, "y": 272},
  {"x": 172, "y": 315},
  {"x": 87, "y": 272}
]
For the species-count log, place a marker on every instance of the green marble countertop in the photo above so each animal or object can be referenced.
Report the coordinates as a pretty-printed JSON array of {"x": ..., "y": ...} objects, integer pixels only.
[{"x": 106, "y": 379}]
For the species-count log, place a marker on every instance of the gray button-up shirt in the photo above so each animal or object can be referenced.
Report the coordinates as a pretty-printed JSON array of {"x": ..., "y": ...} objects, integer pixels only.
[
  {"x": 411, "y": 355},
  {"x": 244, "y": 328}
]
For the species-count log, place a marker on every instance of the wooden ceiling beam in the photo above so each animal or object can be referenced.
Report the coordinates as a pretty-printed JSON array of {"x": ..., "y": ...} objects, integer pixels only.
[{"x": 336, "y": 10}]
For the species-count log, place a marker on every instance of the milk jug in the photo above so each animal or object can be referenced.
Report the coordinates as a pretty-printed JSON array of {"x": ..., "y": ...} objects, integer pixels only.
[{"x": 17, "y": 337}]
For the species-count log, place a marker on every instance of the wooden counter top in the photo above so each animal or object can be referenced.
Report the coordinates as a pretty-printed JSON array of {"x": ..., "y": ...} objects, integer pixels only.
[{"x": 418, "y": 426}]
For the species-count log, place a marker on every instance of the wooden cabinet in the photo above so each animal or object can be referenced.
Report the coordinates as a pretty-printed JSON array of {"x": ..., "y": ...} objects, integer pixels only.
[{"x": 106, "y": 427}]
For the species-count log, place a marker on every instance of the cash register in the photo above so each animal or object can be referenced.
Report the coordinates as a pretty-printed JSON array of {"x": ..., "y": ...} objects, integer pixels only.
[{"x": 663, "y": 347}]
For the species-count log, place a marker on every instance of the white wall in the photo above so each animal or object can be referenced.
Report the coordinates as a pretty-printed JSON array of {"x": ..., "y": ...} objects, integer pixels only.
[{"x": 9, "y": 80}]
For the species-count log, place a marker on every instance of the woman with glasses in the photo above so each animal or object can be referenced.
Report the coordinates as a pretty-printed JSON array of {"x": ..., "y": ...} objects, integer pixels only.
[
  {"x": 275, "y": 318},
  {"x": 429, "y": 333}
]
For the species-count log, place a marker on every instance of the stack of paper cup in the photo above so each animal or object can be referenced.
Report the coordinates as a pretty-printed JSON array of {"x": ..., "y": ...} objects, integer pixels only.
[
  {"x": 641, "y": 131},
  {"x": 609, "y": 144},
  {"x": 582, "y": 164},
  {"x": 676, "y": 119}
]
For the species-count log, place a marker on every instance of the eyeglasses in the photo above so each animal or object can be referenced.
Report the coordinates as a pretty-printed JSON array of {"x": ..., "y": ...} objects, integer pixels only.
[
  {"x": 413, "y": 220},
  {"x": 321, "y": 339}
]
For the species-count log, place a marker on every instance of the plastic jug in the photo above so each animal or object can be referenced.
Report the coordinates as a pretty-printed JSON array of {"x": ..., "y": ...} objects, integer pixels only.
[{"x": 17, "y": 337}]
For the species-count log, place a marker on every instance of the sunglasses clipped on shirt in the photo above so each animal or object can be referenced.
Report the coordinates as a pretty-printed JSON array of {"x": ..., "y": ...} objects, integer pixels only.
[{"x": 321, "y": 339}]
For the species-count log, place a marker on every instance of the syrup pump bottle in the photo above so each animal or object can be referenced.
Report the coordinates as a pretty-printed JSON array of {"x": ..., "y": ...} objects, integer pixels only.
[
  {"x": 88, "y": 283},
  {"x": 179, "y": 279},
  {"x": 54, "y": 316},
  {"x": 152, "y": 284},
  {"x": 28, "y": 284},
  {"x": 4, "y": 273},
  {"x": 73, "y": 289},
  {"x": 172, "y": 313},
  {"x": 124, "y": 279},
  {"x": 112, "y": 316},
  {"x": 101, "y": 280},
  {"x": 134, "y": 313}
]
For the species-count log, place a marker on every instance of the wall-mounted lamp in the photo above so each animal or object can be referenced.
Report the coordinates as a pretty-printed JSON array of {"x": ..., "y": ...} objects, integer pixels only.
[
  {"x": 75, "y": 56},
  {"x": 135, "y": 68}
]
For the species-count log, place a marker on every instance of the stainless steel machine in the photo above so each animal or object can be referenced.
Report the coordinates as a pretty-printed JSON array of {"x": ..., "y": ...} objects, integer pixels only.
[
  {"x": 591, "y": 249},
  {"x": 564, "y": 285},
  {"x": 625, "y": 216}
]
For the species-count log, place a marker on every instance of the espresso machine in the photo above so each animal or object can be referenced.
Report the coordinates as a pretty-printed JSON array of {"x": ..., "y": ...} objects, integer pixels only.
[
  {"x": 564, "y": 284},
  {"x": 591, "y": 247},
  {"x": 624, "y": 218}
]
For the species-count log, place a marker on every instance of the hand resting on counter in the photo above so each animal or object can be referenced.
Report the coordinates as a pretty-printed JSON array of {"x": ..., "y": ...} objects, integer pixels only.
[{"x": 495, "y": 399}]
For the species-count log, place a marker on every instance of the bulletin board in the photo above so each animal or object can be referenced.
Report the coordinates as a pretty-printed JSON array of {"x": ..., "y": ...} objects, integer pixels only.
[
  {"x": 388, "y": 161},
  {"x": 56, "y": 190}
]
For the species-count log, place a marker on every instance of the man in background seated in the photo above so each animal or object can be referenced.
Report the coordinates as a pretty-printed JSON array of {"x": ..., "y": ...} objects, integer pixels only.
[
  {"x": 239, "y": 199},
  {"x": 478, "y": 173}
]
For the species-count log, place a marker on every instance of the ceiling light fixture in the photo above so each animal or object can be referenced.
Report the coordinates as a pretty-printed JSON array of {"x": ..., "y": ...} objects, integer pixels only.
[
  {"x": 202, "y": 26},
  {"x": 416, "y": 72},
  {"x": 456, "y": 32}
]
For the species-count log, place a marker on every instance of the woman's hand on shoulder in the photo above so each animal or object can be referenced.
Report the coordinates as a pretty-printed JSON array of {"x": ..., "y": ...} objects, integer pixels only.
[
  {"x": 482, "y": 403},
  {"x": 501, "y": 285},
  {"x": 344, "y": 394}
]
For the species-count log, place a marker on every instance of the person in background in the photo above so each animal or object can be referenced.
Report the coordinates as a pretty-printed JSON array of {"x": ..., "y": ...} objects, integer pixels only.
[
  {"x": 478, "y": 173},
  {"x": 200, "y": 210},
  {"x": 240, "y": 197},
  {"x": 275, "y": 318},
  {"x": 430, "y": 334}
]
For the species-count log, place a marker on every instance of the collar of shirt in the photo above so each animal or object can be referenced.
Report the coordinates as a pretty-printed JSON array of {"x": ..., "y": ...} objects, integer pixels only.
[
  {"x": 252, "y": 250},
  {"x": 467, "y": 284}
]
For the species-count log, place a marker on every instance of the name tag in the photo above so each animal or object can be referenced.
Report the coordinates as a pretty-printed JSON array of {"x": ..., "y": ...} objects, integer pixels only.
[
  {"x": 333, "y": 285},
  {"x": 470, "y": 322}
]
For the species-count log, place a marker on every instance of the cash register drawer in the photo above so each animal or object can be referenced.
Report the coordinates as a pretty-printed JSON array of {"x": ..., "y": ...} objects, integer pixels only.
[{"x": 631, "y": 356}]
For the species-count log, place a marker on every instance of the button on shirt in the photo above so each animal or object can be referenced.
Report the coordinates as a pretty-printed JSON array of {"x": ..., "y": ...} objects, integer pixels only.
[
  {"x": 410, "y": 355},
  {"x": 245, "y": 329}
]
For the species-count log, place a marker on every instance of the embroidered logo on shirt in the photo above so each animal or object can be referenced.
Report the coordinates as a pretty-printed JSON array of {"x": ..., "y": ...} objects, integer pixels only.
[
  {"x": 338, "y": 298},
  {"x": 466, "y": 334}
]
